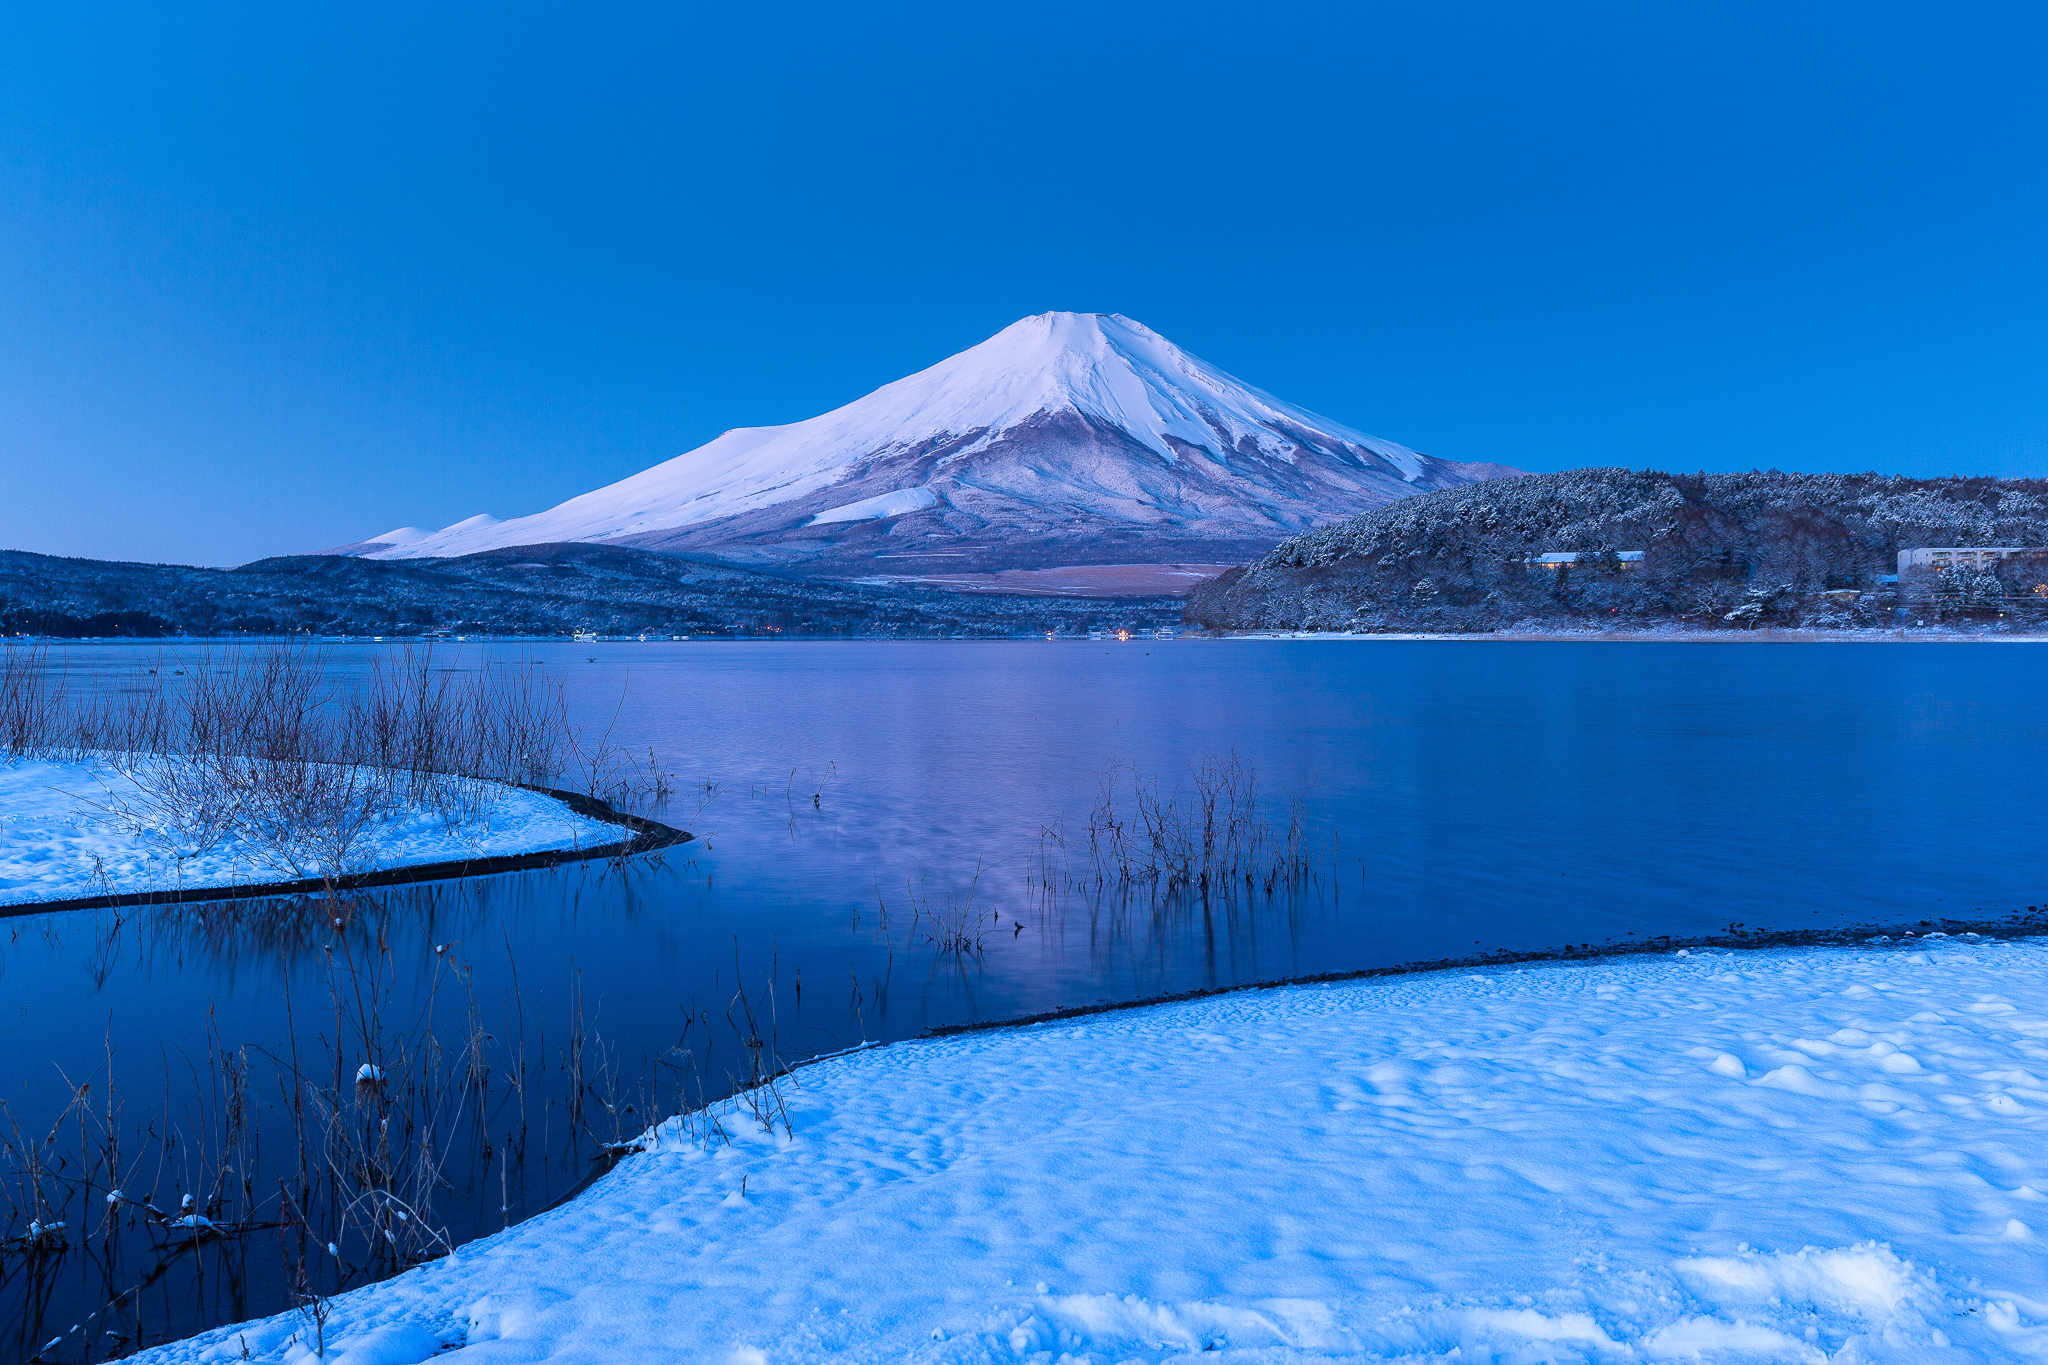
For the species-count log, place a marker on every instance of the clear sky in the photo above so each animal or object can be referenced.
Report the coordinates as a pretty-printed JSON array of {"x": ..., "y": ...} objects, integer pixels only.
[{"x": 277, "y": 277}]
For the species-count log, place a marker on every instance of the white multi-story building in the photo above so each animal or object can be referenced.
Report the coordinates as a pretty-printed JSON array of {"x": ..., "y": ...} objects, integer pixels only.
[{"x": 1939, "y": 559}]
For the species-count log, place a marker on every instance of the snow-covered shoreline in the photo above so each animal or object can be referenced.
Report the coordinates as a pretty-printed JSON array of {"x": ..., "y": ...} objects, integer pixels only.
[
  {"x": 63, "y": 837},
  {"x": 1674, "y": 635},
  {"x": 1801, "y": 1154}
]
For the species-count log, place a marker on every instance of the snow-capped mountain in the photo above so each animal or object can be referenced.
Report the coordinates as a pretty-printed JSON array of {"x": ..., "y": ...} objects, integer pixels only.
[{"x": 1066, "y": 438}]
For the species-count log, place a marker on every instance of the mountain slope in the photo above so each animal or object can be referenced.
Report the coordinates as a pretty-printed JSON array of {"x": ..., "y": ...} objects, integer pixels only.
[{"x": 1067, "y": 438}]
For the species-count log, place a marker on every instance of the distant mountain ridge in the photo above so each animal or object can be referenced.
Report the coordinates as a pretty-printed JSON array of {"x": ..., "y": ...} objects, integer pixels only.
[
  {"x": 528, "y": 590},
  {"x": 1065, "y": 439}
]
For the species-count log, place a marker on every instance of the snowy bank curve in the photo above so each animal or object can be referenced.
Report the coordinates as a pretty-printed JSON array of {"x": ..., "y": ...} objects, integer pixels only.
[
  {"x": 1794, "y": 1155},
  {"x": 60, "y": 849}
]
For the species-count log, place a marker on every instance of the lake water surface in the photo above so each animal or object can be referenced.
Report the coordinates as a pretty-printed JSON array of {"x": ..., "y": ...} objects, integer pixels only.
[{"x": 1458, "y": 797}]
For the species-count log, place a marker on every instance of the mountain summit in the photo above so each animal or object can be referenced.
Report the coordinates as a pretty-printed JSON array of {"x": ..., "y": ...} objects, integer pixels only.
[{"x": 1065, "y": 439}]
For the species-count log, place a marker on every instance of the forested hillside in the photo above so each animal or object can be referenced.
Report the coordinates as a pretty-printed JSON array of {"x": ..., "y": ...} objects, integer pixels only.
[
  {"x": 1720, "y": 550},
  {"x": 526, "y": 590}
]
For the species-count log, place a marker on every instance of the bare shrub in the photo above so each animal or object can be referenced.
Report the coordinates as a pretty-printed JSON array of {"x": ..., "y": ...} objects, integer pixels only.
[
  {"x": 957, "y": 924},
  {"x": 266, "y": 747},
  {"x": 31, "y": 702},
  {"x": 1212, "y": 834}
]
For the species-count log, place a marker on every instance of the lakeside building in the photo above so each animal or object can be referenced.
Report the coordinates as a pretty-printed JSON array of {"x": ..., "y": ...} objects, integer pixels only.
[
  {"x": 2009, "y": 579},
  {"x": 1558, "y": 559},
  {"x": 1940, "y": 559}
]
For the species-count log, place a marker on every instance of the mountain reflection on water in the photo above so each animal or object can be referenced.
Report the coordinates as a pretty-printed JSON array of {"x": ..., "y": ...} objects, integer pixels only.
[{"x": 894, "y": 836}]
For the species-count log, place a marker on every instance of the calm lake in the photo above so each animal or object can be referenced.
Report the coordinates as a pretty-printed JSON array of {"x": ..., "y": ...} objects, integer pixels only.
[{"x": 861, "y": 806}]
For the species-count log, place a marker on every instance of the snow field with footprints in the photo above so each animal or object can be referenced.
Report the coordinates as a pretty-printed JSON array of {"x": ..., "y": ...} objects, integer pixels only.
[{"x": 1799, "y": 1155}]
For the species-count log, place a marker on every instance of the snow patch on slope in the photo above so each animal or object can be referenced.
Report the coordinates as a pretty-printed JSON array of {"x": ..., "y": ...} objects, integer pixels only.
[{"x": 885, "y": 505}]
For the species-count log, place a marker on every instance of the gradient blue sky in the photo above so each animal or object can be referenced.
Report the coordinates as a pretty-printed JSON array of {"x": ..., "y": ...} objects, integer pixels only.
[{"x": 277, "y": 277}]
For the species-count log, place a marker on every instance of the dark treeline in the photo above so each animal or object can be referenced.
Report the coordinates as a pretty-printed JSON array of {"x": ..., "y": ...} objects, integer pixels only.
[
  {"x": 528, "y": 590},
  {"x": 1722, "y": 550}
]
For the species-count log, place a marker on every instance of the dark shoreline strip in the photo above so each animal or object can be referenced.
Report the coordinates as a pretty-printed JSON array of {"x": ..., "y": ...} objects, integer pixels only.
[
  {"x": 647, "y": 836},
  {"x": 2031, "y": 924}
]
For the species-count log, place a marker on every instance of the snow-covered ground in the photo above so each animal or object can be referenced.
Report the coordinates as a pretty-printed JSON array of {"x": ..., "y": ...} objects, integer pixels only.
[
  {"x": 1672, "y": 634},
  {"x": 63, "y": 835},
  {"x": 1790, "y": 1155}
]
